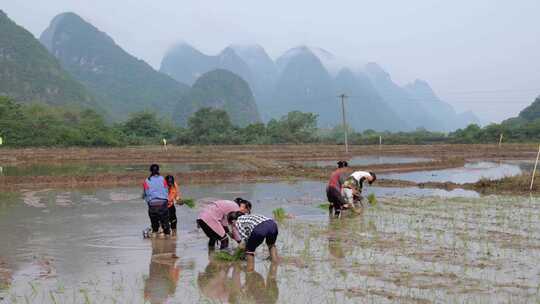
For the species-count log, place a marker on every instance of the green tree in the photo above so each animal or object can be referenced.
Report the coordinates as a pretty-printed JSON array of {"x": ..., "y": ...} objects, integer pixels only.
[
  {"x": 211, "y": 126},
  {"x": 295, "y": 127},
  {"x": 142, "y": 124}
]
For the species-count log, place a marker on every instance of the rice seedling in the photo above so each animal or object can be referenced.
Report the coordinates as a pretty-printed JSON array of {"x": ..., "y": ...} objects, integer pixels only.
[
  {"x": 279, "y": 214},
  {"x": 189, "y": 202},
  {"x": 372, "y": 200},
  {"x": 324, "y": 206},
  {"x": 226, "y": 256}
]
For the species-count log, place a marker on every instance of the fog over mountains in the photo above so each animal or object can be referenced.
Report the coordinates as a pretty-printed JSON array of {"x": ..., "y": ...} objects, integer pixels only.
[
  {"x": 92, "y": 70},
  {"x": 122, "y": 83},
  {"x": 310, "y": 79}
]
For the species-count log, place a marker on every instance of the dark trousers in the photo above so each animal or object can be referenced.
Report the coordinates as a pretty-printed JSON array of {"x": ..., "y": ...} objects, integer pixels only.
[
  {"x": 266, "y": 230},
  {"x": 159, "y": 215},
  {"x": 213, "y": 236},
  {"x": 334, "y": 197},
  {"x": 172, "y": 217}
]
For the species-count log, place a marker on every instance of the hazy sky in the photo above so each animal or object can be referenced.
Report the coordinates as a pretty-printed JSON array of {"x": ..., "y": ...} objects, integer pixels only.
[{"x": 482, "y": 55}]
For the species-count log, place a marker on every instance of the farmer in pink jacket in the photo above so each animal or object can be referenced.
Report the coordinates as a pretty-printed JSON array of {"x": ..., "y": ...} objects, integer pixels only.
[{"x": 213, "y": 220}]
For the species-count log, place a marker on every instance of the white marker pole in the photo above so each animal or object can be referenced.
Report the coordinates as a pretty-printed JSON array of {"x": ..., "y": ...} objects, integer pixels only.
[
  {"x": 380, "y": 142},
  {"x": 500, "y": 140},
  {"x": 534, "y": 170}
]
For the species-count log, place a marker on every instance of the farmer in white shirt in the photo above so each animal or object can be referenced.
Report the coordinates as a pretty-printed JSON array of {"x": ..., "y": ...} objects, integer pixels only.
[{"x": 352, "y": 187}]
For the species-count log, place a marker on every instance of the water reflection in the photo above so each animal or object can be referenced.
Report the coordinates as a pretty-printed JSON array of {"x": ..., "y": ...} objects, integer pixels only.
[
  {"x": 215, "y": 283},
  {"x": 230, "y": 283},
  {"x": 164, "y": 272},
  {"x": 258, "y": 290},
  {"x": 470, "y": 173},
  {"x": 342, "y": 232}
]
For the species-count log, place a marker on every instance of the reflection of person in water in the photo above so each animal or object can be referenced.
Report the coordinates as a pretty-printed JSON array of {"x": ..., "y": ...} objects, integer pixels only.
[
  {"x": 256, "y": 290},
  {"x": 164, "y": 273},
  {"x": 218, "y": 284},
  {"x": 215, "y": 282},
  {"x": 342, "y": 235}
]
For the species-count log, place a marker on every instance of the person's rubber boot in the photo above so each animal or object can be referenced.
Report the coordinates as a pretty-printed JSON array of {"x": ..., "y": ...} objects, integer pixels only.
[
  {"x": 224, "y": 243},
  {"x": 330, "y": 209},
  {"x": 250, "y": 257},
  {"x": 273, "y": 253}
]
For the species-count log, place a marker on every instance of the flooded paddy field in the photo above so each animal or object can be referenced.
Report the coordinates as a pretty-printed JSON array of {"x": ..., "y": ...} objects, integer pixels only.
[
  {"x": 71, "y": 169},
  {"x": 470, "y": 173},
  {"x": 367, "y": 160},
  {"x": 109, "y": 167},
  {"x": 414, "y": 245}
]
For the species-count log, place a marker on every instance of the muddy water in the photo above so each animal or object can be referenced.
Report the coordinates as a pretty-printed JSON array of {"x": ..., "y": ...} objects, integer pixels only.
[
  {"x": 470, "y": 173},
  {"x": 103, "y": 168},
  {"x": 367, "y": 160},
  {"x": 86, "y": 246}
]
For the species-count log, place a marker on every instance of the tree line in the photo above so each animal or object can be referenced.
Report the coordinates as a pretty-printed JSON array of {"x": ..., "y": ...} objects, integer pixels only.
[{"x": 25, "y": 125}]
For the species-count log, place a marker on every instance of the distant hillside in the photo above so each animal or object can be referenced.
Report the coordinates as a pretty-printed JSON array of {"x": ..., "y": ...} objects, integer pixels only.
[
  {"x": 29, "y": 73},
  {"x": 444, "y": 116},
  {"x": 305, "y": 85},
  {"x": 416, "y": 103},
  {"x": 122, "y": 83},
  {"x": 365, "y": 108},
  {"x": 186, "y": 64},
  {"x": 531, "y": 112},
  {"x": 220, "y": 89},
  {"x": 309, "y": 79}
]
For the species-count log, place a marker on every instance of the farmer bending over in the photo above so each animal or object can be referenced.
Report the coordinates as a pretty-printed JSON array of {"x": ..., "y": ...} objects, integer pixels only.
[
  {"x": 333, "y": 190},
  {"x": 252, "y": 230},
  {"x": 352, "y": 187},
  {"x": 213, "y": 220}
]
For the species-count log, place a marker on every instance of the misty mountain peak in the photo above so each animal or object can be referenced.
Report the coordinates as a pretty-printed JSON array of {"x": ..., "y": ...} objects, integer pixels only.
[
  {"x": 421, "y": 87},
  {"x": 122, "y": 83},
  {"x": 68, "y": 26},
  {"x": 254, "y": 55},
  {"x": 184, "y": 48},
  {"x": 376, "y": 71},
  {"x": 228, "y": 52},
  {"x": 247, "y": 48},
  {"x": 294, "y": 53}
]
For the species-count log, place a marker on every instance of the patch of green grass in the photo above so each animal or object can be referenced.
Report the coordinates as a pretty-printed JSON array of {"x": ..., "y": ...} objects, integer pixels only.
[
  {"x": 324, "y": 206},
  {"x": 189, "y": 202},
  {"x": 279, "y": 214},
  {"x": 225, "y": 256},
  {"x": 372, "y": 200}
]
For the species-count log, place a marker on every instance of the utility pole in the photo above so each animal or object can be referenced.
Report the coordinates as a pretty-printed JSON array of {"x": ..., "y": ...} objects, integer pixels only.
[{"x": 343, "y": 96}]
